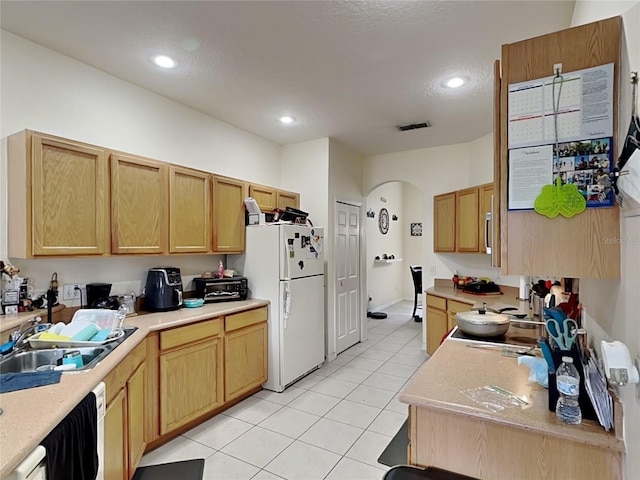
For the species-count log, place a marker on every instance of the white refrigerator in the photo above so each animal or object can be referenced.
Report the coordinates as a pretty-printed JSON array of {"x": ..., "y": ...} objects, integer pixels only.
[{"x": 285, "y": 265}]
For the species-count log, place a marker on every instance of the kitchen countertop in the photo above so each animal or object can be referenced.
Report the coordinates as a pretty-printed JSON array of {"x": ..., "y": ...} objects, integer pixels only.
[
  {"x": 9, "y": 322},
  {"x": 454, "y": 368},
  {"x": 29, "y": 415}
]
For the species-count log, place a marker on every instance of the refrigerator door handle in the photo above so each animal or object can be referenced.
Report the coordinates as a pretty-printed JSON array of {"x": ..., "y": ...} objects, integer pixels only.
[
  {"x": 287, "y": 303},
  {"x": 286, "y": 273}
]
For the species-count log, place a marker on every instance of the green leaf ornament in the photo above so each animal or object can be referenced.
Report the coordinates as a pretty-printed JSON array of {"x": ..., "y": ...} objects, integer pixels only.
[{"x": 556, "y": 199}]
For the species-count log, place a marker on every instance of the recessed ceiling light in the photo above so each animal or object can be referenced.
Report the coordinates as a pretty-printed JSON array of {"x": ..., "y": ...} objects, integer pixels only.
[
  {"x": 164, "y": 61},
  {"x": 455, "y": 82},
  {"x": 286, "y": 119}
]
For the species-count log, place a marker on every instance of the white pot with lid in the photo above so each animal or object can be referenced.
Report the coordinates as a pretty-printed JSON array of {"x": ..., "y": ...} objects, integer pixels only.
[{"x": 484, "y": 322}]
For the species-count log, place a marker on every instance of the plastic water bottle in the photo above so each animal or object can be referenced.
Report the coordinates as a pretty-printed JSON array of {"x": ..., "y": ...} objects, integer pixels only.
[
  {"x": 220, "y": 270},
  {"x": 568, "y": 383}
]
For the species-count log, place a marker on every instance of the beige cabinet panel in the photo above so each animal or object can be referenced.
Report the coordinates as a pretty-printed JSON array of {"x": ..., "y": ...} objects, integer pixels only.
[
  {"x": 189, "y": 211},
  {"x": 498, "y": 171},
  {"x": 196, "y": 369},
  {"x": 59, "y": 194},
  {"x": 444, "y": 223},
  {"x": 561, "y": 247},
  {"x": 482, "y": 448},
  {"x": 139, "y": 205},
  {"x": 467, "y": 205},
  {"x": 115, "y": 438},
  {"x": 136, "y": 405},
  {"x": 288, "y": 199},
  {"x": 245, "y": 360},
  {"x": 264, "y": 196},
  {"x": 228, "y": 215}
]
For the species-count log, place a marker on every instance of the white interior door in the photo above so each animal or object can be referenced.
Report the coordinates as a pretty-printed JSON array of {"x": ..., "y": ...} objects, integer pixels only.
[{"x": 347, "y": 295}]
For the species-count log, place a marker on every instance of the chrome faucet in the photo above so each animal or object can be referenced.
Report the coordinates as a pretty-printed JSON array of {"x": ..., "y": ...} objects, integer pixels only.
[{"x": 26, "y": 329}]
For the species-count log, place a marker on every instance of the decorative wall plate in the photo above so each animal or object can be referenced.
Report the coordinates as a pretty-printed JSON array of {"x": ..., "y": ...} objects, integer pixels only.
[{"x": 383, "y": 221}]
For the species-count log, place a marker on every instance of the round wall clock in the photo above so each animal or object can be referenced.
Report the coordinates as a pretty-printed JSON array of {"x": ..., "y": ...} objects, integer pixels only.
[{"x": 383, "y": 221}]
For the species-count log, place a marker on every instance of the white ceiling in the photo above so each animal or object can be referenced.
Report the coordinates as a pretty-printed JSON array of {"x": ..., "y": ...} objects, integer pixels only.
[{"x": 350, "y": 70}]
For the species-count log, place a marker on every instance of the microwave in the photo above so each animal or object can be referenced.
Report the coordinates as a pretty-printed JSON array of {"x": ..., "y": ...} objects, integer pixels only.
[{"x": 221, "y": 289}]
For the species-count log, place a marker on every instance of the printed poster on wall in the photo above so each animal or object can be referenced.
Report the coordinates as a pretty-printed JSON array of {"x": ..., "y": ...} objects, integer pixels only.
[
  {"x": 585, "y": 110},
  {"x": 584, "y": 100},
  {"x": 586, "y": 164}
]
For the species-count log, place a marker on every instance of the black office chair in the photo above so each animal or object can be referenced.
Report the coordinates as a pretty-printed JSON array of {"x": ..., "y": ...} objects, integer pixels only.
[
  {"x": 406, "y": 472},
  {"x": 416, "y": 275}
]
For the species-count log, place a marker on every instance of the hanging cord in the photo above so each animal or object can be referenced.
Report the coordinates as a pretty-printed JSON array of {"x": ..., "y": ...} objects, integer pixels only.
[
  {"x": 556, "y": 109},
  {"x": 634, "y": 96}
]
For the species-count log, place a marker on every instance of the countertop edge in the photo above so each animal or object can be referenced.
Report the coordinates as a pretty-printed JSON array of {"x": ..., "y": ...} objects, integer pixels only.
[
  {"x": 415, "y": 400},
  {"x": 450, "y": 354},
  {"x": 76, "y": 385}
]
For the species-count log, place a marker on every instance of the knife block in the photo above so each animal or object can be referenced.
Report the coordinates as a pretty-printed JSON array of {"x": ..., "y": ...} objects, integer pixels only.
[{"x": 584, "y": 401}]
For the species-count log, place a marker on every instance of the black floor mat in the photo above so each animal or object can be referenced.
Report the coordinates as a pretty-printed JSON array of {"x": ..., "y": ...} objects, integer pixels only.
[
  {"x": 185, "y": 470},
  {"x": 396, "y": 451}
]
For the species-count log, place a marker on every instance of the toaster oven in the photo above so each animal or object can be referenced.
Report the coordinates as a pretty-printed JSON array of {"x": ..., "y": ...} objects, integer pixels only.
[{"x": 221, "y": 289}]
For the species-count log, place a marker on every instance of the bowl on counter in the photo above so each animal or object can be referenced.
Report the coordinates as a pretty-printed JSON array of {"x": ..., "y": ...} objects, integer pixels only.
[{"x": 193, "y": 302}]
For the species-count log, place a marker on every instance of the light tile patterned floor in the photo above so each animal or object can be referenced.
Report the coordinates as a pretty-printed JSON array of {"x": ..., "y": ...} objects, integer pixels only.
[{"x": 332, "y": 424}]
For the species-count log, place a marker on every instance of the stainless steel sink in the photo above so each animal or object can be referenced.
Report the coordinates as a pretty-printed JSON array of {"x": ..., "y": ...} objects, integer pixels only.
[{"x": 34, "y": 360}]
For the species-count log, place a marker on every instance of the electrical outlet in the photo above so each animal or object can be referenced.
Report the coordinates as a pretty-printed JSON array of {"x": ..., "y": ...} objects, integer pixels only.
[
  {"x": 432, "y": 270},
  {"x": 70, "y": 291}
]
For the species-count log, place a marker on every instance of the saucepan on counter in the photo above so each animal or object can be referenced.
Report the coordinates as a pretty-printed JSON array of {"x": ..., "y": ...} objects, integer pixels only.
[{"x": 484, "y": 322}]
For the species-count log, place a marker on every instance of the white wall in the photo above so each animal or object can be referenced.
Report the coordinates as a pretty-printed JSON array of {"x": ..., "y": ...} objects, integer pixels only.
[
  {"x": 413, "y": 212},
  {"x": 345, "y": 185},
  {"x": 384, "y": 280},
  {"x": 612, "y": 305},
  {"x": 434, "y": 171},
  {"x": 304, "y": 167},
  {"x": 49, "y": 92}
]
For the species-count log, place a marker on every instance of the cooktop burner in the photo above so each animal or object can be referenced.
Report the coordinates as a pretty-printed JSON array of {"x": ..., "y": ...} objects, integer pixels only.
[{"x": 514, "y": 336}]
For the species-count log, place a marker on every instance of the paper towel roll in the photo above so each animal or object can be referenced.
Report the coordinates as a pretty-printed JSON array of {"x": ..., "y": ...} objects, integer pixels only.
[{"x": 525, "y": 287}]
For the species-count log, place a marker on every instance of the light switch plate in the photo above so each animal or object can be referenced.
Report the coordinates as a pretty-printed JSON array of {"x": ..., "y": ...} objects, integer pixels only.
[{"x": 432, "y": 270}]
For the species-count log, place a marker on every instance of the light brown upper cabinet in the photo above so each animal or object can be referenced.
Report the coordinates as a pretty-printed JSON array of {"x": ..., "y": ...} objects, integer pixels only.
[
  {"x": 228, "y": 214},
  {"x": 264, "y": 196},
  {"x": 467, "y": 208},
  {"x": 139, "y": 205},
  {"x": 533, "y": 244},
  {"x": 287, "y": 199},
  {"x": 189, "y": 211},
  {"x": 459, "y": 220},
  {"x": 59, "y": 195},
  {"x": 444, "y": 222}
]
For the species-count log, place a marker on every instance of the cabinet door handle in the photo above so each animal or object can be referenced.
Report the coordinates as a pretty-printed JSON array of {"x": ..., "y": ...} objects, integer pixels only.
[{"x": 488, "y": 217}]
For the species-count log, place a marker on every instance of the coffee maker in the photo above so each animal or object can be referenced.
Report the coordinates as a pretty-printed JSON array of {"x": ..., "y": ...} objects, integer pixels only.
[{"x": 98, "y": 296}]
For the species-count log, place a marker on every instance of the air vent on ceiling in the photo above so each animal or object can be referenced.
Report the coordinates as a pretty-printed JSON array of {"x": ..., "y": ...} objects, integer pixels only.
[{"x": 413, "y": 126}]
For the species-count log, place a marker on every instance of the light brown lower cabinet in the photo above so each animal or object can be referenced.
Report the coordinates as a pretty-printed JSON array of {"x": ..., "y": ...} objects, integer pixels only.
[
  {"x": 482, "y": 448},
  {"x": 441, "y": 318},
  {"x": 115, "y": 438},
  {"x": 436, "y": 328},
  {"x": 191, "y": 373},
  {"x": 245, "y": 352},
  {"x": 179, "y": 376},
  {"x": 125, "y": 439},
  {"x": 136, "y": 404}
]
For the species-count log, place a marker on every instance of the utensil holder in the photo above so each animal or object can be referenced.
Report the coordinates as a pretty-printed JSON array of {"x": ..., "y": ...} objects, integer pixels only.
[{"x": 586, "y": 407}]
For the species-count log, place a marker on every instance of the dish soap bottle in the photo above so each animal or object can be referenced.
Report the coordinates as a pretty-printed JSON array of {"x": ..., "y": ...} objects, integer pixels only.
[{"x": 220, "y": 270}]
